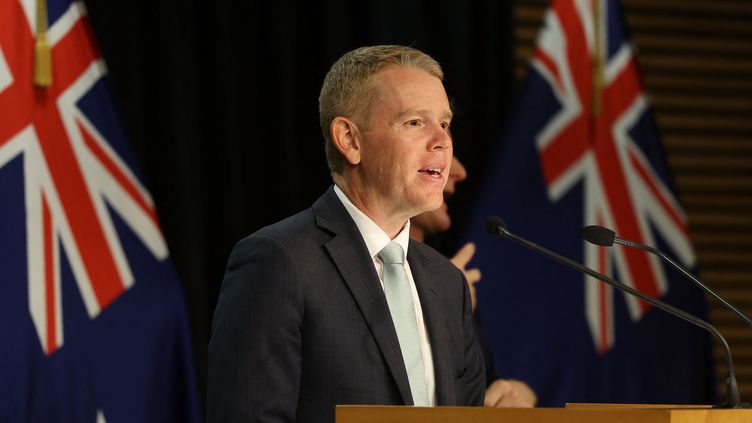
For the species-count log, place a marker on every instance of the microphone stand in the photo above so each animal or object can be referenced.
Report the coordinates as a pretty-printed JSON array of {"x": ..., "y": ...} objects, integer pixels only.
[{"x": 496, "y": 226}]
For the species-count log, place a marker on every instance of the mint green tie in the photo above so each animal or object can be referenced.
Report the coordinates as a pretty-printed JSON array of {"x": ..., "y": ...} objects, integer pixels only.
[{"x": 400, "y": 300}]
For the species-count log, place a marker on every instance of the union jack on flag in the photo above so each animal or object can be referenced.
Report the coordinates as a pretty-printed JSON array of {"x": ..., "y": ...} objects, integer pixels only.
[
  {"x": 93, "y": 327},
  {"x": 581, "y": 148}
]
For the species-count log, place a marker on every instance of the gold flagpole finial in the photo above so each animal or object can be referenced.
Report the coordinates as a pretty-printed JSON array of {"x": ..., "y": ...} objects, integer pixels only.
[{"x": 42, "y": 53}]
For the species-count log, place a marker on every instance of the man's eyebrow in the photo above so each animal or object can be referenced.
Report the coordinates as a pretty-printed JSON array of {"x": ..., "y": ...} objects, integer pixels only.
[{"x": 421, "y": 112}]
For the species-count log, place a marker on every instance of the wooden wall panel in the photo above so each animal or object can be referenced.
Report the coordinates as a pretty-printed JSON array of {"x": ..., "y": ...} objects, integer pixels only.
[{"x": 696, "y": 61}]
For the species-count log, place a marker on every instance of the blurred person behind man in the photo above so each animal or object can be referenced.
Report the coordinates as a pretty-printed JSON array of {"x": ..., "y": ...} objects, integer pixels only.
[{"x": 500, "y": 392}]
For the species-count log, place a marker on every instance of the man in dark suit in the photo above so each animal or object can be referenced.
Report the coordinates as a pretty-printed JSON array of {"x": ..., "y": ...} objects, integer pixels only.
[{"x": 318, "y": 309}]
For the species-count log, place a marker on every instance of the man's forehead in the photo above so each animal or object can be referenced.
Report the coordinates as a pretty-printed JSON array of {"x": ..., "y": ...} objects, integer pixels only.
[{"x": 410, "y": 91}]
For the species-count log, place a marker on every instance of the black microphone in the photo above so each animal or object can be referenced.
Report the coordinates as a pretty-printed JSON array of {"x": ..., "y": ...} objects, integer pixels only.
[
  {"x": 606, "y": 237},
  {"x": 496, "y": 226}
]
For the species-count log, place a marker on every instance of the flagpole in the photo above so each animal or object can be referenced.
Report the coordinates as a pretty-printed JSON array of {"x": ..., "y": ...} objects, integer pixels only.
[
  {"x": 42, "y": 53},
  {"x": 597, "y": 59}
]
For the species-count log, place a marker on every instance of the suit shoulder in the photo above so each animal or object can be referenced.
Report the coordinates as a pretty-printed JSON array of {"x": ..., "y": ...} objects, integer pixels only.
[{"x": 287, "y": 232}]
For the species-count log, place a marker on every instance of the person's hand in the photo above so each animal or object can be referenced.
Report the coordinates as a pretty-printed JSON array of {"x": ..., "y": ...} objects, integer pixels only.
[
  {"x": 509, "y": 393},
  {"x": 463, "y": 256}
]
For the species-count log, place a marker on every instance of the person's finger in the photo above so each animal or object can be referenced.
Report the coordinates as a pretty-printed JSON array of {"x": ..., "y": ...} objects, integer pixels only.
[
  {"x": 514, "y": 393},
  {"x": 472, "y": 276},
  {"x": 495, "y": 392},
  {"x": 464, "y": 255}
]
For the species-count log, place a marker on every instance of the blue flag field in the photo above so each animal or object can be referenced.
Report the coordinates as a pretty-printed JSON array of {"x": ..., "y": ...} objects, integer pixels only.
[
  {"x": 581, "y": 148},
  {"x": 92, "y": 322}
]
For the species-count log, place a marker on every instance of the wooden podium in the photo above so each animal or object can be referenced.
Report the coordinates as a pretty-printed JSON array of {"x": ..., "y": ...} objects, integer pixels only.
[{"x": 572, "y": 413}]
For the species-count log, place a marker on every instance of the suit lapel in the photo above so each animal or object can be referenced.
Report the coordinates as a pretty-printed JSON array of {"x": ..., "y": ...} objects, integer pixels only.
[
  {"x": 350, "y": 255},
  {"x": 434, "y": 319}
]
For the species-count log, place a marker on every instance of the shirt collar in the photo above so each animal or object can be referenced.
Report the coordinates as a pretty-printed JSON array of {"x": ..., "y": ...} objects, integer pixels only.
[{"x": 374, "y": 237}]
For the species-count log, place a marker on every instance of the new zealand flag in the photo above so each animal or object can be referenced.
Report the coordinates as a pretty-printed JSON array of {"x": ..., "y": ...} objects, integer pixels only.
[
  {"x": 92, "y": 322},
  {"x": 581, "y": 148}
]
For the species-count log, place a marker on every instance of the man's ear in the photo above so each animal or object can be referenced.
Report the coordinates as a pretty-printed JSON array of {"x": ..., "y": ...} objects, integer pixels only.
[{"x": 346, "y": 138}]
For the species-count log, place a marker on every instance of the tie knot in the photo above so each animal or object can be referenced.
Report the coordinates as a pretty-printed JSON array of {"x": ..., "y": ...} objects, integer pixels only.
[{"x": 392, "y": 254}]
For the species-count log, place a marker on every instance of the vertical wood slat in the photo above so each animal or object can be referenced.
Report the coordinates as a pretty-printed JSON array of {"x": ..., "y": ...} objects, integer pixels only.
[{"x": 696, "y": 62}]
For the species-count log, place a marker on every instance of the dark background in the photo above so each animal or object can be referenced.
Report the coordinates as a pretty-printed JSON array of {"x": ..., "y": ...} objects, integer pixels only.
[{"x": 220, "y": 103}]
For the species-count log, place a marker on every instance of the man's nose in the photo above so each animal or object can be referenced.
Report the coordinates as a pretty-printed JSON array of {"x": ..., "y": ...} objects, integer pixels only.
[{"x": 441, "y": 139}]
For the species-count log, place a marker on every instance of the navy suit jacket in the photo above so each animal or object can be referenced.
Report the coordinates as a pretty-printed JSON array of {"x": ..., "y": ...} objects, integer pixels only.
[{"x": 302, "y": 325}]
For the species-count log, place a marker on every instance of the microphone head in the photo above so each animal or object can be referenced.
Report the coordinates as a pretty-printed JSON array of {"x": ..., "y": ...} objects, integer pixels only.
[
  {"x": 495, "y": 224},
  {"x": 598, "y": 235}
]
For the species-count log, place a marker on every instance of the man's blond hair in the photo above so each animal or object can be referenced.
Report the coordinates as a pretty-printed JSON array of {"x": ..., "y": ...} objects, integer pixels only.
[{"x": 347, "y": 90}]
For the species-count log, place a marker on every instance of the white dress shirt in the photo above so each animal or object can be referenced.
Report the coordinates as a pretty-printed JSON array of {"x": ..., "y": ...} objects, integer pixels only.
[{"x": 376, "y": 239}]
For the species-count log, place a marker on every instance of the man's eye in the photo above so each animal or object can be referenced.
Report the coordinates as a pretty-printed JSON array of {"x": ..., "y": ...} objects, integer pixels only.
[
  {"x": 445, "y": 125},
  {"x": 413, "y": 122}
]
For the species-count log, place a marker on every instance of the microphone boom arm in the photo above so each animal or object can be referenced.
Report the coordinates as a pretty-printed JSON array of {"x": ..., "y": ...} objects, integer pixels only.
[
  {"x": 686, "y": 273},
  {"x": 732, "y": 387}
]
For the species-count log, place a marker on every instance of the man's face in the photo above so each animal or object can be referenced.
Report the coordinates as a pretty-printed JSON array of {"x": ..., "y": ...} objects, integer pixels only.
[
  {"x": 406, "y": 146},
  {"x": 438, "y": 220}
]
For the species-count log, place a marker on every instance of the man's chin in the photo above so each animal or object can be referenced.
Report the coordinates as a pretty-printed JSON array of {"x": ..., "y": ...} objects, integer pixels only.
[
  {"x": 435, "y": 208},
  {"x": 429, "y": 204},
  {"x": 438, "y": 203}
]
